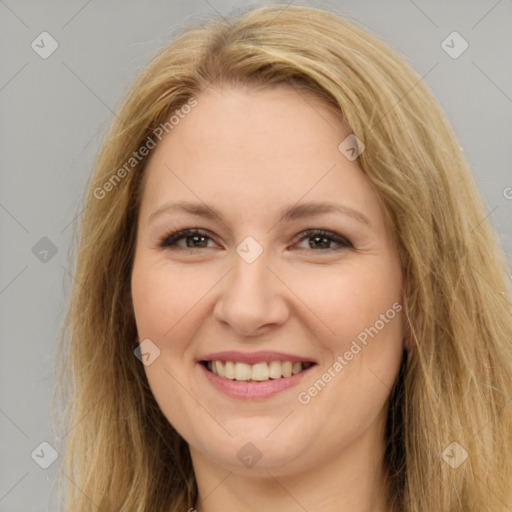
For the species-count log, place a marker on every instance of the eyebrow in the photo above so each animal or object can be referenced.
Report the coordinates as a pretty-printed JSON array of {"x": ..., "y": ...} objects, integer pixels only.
[{"x": 297, "y": 211}]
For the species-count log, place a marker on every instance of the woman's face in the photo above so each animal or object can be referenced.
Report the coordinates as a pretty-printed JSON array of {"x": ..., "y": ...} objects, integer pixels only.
[{"x": 260, "y": 287}]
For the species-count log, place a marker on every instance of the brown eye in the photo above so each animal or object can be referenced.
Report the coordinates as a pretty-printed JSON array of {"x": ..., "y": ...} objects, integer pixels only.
[
  {"x": 194, "y": 239},
  {"x": 321, "y": 240}
]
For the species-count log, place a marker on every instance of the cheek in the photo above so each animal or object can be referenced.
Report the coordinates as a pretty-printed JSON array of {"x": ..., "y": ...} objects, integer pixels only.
[
  {"x": 362, "y": 306},
  {"x": 348, "y": 299},
  {"x": 359, "y": 326},
  {"x": 164, "y": 297},
  {"x": 166, "y": 301}
]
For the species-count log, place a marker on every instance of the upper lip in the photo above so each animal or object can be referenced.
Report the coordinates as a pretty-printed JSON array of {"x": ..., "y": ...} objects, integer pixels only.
[{"x": 253, "y": 357}]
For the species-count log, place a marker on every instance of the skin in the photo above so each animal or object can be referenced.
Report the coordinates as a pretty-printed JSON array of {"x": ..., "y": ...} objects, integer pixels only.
[{"x": 251, "y": 154}]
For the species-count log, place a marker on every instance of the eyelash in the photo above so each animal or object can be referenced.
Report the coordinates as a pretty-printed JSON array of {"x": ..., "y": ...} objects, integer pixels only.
[{"x": 169, "y": 240}]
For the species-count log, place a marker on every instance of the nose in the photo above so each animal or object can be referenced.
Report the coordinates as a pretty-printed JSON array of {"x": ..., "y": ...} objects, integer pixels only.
[{"x": 252, "y": 298}]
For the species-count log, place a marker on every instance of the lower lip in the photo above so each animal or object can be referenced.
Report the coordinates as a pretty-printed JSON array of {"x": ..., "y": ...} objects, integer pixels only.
[{"x": 248, "y": 390}]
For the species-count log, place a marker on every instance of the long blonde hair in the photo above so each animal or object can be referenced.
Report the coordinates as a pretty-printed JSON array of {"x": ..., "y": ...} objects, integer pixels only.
[{"x": 119, "y": 451}]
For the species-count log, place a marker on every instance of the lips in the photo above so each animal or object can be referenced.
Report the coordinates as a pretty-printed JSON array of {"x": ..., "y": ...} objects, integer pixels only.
[{"x": 254, "y": 374}]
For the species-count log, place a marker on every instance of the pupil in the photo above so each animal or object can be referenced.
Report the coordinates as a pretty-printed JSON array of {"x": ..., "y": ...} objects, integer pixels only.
[
  {"x": 195, "y": 239},
  {"x": 319, "y": 238}
]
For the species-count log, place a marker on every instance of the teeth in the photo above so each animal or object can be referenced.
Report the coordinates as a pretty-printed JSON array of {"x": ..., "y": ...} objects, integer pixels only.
[
  {"x": 296, "y": 368},
  {"x": 220, "y": 368},
  {"x": 256, "y": 372},
  {"x": 229, "y": 370},
  {"x": 242, "y": 371},
  {"x": 275, "y": 370},
  {"x": 286, "y": 368},
  {"x": 259, "y": 371}
]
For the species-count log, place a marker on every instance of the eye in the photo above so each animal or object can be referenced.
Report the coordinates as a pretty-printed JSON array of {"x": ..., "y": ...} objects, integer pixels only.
[
  {"x": 194, "y": 239},
  {"x": 318, "y": 239}
]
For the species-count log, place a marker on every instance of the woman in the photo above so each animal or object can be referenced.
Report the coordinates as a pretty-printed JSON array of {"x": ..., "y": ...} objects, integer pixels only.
[{"x": 287, "y": 292}]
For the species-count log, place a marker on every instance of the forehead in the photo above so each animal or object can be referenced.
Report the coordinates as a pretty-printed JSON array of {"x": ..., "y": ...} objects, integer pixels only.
[
  {"x": 258, "y": 150},
  {"x": 258, "y": 126}
]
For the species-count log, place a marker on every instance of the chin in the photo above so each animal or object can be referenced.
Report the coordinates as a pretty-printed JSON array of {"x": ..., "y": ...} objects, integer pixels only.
[{"x": 254, "y": 447}]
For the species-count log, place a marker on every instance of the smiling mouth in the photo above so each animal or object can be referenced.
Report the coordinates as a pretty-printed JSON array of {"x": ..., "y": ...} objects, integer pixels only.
[{"x": 259, "y": 372}]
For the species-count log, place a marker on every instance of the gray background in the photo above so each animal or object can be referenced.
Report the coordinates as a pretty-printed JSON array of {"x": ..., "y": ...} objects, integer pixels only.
[{"x": 54, "y": 113}]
